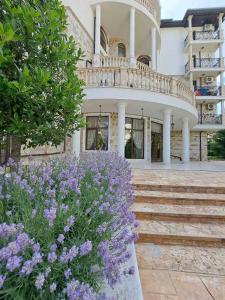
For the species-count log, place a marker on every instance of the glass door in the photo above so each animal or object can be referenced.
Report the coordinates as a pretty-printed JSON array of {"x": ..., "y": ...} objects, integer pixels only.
[
  {"x": 134, "y": 138},
  {"x": 157, "y": 144}
]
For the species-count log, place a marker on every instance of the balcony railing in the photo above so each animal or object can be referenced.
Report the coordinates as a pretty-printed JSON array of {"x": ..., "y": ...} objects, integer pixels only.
[
  {"x": 206, "y": 35},
  {"x": 209, "y": 118},
  {"x": 138, "y": 79},
  {"x": 114, "y": 61},
  {"x": 208, "y": 91},
  {"x": 207, "y": 63},
  {"x": 203, "y": 36},
  {"x": 152, "y": 8}
]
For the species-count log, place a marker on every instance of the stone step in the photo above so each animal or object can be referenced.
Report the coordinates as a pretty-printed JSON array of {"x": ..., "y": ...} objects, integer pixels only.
[
  {"x": 173, "y": 233},
  {"x": 179, "y": 188},
  {"x": 179, "y": 213},
  {"x": 160, "y": 197}
]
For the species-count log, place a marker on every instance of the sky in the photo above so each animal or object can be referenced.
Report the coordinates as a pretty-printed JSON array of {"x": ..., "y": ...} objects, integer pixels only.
[{"x": 176, "y": 9}]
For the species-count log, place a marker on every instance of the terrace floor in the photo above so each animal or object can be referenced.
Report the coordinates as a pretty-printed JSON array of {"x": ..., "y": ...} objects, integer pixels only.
[{"x": 181, "y": 248}]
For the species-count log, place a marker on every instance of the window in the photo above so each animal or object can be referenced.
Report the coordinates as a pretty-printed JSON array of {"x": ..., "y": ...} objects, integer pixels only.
[
  {"x": 97, "y": 132},
  {"x": 145, "y": 59},
  {"x": 121, "y": 50},
  {"x": 134, "y": 138}
]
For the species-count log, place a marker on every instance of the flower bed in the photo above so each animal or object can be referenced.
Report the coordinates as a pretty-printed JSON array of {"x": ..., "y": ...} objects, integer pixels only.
[{"x": 65, "y": 227}]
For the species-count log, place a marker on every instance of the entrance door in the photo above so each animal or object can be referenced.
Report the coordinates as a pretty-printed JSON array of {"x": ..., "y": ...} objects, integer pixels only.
[
  {"x": 134, "y": 138},
  {"x": 157, "y": 144}
]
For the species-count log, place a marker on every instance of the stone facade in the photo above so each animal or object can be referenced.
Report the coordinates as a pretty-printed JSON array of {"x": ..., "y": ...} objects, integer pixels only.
[
  {"x": 176, "y": 145},
  {"x": 81, "y": 36}
]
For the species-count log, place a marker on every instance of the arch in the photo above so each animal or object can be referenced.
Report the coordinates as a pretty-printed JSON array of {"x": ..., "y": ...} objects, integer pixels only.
[
  {"x": 121, "y": 50},
  {"x": 104, "y": 39},
  {"x": 145, "y": 59}
]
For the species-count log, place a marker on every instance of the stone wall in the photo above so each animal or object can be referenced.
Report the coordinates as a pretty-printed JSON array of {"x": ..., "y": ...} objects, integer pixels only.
[
  {"x": 176, "y": 145},
  {"x": 81, "y": 36}
]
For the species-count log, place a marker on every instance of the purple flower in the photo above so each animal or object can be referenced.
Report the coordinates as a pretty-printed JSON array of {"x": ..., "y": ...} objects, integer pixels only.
[
  {"x": 66, "y": 229},
  {"x": 50, "y": 215},
  {"x": 85, "y": 248},
  {"x": 64, "y": 207},
  {"x": 2, "y": 280},
  {"x": 61, "y": 238},
  {"x": 27, "y": 267},
  {"x": 70, "y": 221},
  {"x": 13, "y": 263},
  {"x": 53, "y": 287},
  {"x": 53, "y": 247},
  {"x": 52, "y": 257},
  {"x": 39, "y": 282},
  {"x": 36, "y": 258},
  {"x": 67, "y": 273}
]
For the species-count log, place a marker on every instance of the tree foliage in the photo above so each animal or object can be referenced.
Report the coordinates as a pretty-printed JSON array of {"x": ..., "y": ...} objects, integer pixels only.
[
  {"x": 40, "y": 93},
  {"x": 216, "y": 145}
]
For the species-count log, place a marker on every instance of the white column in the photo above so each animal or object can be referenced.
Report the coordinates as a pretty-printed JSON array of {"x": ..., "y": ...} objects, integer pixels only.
[
  {"x": 186, "y": 141},
  {"x": 221, "y": 25},
  {"x": 76, "y": 143},
  {"x": 166, "y": 137},
  {"x": 154, "y": 51},
  {"x": 121, "y": 129},
  {"x": 222, "y": 112},
  {"x": 132, "y": 38},
  {"x": 96, "y": 60}
]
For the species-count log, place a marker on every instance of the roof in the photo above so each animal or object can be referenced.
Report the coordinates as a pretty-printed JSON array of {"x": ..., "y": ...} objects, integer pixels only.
[{"x": 201, "y": 16}]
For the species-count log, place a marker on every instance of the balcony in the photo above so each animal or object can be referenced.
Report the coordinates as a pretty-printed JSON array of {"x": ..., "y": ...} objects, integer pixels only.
[
  {"x": 125, "y": 77},
  {"x": 206, "y": 35},
  {"x": 209, "y": 39},
  {"x": 208, "y": 91},
  {"x": 153, "y": 7},
  {"x": 205, "y": 63},
  {"x": 209, "y": 118}
]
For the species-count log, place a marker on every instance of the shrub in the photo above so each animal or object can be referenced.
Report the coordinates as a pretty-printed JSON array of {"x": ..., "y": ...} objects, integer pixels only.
[{"x": 65, "y": 227}]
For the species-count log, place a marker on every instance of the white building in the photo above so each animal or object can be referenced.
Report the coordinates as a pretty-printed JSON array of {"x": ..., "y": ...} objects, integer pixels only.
[{"x": 152, "y": 88}]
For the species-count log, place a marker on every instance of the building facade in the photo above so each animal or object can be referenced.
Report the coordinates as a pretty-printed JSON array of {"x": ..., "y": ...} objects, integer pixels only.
[{"x": 151, "y": 85}]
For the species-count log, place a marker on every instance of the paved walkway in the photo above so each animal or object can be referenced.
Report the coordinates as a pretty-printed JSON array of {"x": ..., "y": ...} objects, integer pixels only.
[
  {"x": 170, "y": 285},
  {"x": 212, "y": 166},
  {"x": 181, "y": 271}
]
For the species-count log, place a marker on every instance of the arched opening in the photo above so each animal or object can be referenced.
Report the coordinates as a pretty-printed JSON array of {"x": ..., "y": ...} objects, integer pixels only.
[
  {"x": 145, "y": 59},
  {"x": 104, "y": 39},
  {"x": 121, "y": 50}
]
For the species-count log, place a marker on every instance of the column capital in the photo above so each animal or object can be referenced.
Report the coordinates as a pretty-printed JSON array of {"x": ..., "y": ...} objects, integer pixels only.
[
  {"x": 132, "y": 9},
  {"x": 121, "y": 104},
  {"x": 167, "y": 111},
  {"x": 185, "y": 119},
  {"x": 190, "y": 18}
]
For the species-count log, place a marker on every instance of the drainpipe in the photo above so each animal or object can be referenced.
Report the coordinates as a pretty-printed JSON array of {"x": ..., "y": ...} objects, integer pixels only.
[
  {"x": 200, "y": 145},
  {"x": 94, "y": 34}
]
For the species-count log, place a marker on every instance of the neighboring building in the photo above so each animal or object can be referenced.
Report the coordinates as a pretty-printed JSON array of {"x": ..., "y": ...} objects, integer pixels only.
[
  {"x": 196, "y": 42},
  {"x": 142, "y": 75}
]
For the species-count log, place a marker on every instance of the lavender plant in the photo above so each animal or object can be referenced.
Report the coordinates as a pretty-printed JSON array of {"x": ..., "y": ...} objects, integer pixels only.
[{"x": 65, "y": 227}]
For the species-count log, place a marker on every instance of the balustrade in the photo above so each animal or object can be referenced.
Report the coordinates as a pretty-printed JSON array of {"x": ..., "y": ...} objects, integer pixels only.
[
  {"x": 138, "y": 79},
  {"x": 210, "y": 118},
  {"x": 150, "y": 6}
]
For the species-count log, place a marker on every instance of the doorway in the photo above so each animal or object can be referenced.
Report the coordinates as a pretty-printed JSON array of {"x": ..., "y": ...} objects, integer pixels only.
[{"x": 157, "y": 142}]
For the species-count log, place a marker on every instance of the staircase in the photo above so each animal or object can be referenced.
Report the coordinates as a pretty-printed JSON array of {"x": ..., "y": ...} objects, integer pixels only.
[{"x": 171, "y": 214}]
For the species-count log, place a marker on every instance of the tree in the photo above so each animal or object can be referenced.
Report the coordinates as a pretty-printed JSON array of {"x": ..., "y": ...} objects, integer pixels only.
[
  {"x": 40, "y": 93},
  {"x": 217, "y": 145}
]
